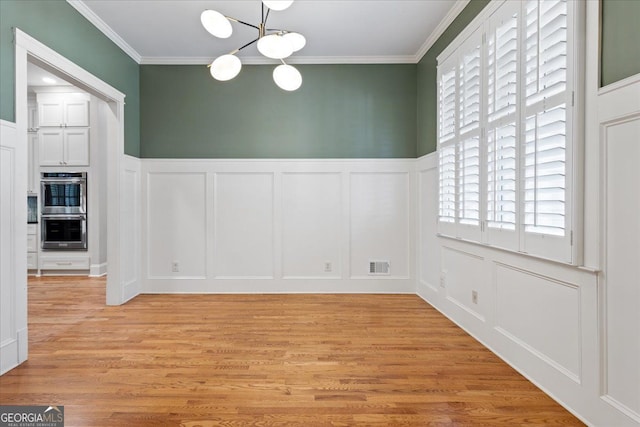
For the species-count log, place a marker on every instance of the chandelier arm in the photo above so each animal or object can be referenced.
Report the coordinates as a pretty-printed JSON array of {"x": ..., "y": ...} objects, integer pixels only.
[
  {"x": 265, "y": 17},
  {"x": 246, "y": 45},
  {"x": 242, "y": 22}
]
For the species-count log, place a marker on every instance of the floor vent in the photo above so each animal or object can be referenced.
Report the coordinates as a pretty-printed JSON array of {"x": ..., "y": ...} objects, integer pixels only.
[{"x": 378, "y": 267}]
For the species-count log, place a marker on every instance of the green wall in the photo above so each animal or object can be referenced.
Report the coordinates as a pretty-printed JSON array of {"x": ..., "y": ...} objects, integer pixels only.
[
  {"x": 427, "y": 78},
  {"x": 341, "y": 111},
  {"x": 59, "y": 26},
  {"x": 620, "y": 40}
]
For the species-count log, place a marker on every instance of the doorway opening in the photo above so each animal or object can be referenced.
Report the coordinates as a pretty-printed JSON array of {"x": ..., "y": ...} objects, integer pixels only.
[
  {"x": 119, "y": 215},
  {"x": 67, "y": 182}
]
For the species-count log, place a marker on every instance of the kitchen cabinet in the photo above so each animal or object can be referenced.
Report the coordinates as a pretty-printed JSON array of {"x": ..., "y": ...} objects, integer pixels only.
[
  {"x": 63, "y": 147},
  {"x": 63, "y": 110},
  {"x": 32, "y": 117},
  {"x": 33, "y": 179},
  {"x": 64, "y": 262},
  {"x": 63, "y": 129},
  {"x": 32, "y": 246}
]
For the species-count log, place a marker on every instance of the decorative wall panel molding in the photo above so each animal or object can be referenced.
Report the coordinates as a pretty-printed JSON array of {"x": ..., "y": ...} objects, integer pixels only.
[
  {"x": 540, "y": 314},
  {"x": 619, "y": 118},
  {"x": 13, "y": 249},
  {"x": 278, "y": 225},
  {"x": 176, "y": 227}
]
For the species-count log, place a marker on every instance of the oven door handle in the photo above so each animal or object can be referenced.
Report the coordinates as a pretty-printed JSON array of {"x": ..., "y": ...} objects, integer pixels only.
[
  {"x": 63, "y": 181},
  {"x": 64, "y": 216}
]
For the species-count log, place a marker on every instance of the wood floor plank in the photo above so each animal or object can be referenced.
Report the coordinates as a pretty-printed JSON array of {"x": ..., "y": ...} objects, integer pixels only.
[{"x": 263, "y": 360}]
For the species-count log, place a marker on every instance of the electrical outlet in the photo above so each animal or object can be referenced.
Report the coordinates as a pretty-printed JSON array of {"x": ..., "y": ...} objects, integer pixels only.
[
  {"x": 175, "y": 267},
  {"x": 328, "y": 268},
  {"x": 474, "y": 297}
]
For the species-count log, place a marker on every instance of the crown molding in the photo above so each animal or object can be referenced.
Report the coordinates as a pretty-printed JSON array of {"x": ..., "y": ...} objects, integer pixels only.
[
  {"x": 440, "y": 29},
  {"x": 260, "y": 60},
  {"x": 85, "y": 11},
  {"x": 94, "y": 19},
  {"x": 390, "y": 59}
]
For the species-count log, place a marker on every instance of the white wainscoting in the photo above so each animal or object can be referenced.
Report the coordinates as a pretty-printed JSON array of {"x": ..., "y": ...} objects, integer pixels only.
[
  {"x": 130, "y": 229},
  {"x": 619, "y": 118},
  {"x": 428, "y": 251},
  {"x": 547, "y": 302},
  {"x": 176, "y": 230},
  {"x": 277, "y": 225},
  {"x": 380, "y": 215},
  {"x": 243, "y": 235},
  {"x": 13, "y": 248},
  {"x": 312, "y": 211},
  {"x": 459, "y": 284}
]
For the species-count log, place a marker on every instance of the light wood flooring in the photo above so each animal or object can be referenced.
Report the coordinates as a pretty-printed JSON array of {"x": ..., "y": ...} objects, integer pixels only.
[{"x": 262, "y": 360}]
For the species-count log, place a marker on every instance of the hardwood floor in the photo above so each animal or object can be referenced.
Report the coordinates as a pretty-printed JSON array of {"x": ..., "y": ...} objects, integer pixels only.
[{"x": 264, "y": 360}]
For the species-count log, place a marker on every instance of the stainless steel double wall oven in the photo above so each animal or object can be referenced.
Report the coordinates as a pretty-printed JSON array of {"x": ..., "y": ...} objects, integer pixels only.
[{"x": 64, "y": 210}]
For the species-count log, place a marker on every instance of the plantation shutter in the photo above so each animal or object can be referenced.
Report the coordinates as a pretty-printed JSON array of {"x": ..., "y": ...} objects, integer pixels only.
[
  {"x": 505, "y": 128},
  {"x": 469, "y": 187},
  {"x": 546, "y": 127},
  {"x": 447, "y": 103},
  {"x": 501, "y": 177},
  {"x": 469, "y": 115},
  {"x": 447, "y": 155},
  {"x": 447, "y": 172},
  {"x": 502, "y": 129}
]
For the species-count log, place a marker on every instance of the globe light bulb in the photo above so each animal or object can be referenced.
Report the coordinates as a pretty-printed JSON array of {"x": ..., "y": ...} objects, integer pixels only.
[
  {"x": 277, "y": 4},
  {"x": 297, "y": 40},
  {"x": 287, "y": 77},
  {"x": 225, "y": 67},
  {"x": 275, "y": 46},
  {"x": 216, "y": 24}
]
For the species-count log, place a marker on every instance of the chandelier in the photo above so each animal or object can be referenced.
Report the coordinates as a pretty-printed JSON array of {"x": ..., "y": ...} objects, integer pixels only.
[{"x": 272, "y": 43}]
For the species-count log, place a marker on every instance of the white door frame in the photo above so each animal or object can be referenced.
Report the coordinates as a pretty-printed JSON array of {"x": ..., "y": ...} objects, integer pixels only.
[{"x": 26, "y": 46}]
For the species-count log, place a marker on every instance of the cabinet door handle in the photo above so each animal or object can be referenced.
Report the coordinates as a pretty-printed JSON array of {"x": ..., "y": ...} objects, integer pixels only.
[{"x": 63, "y": 263}]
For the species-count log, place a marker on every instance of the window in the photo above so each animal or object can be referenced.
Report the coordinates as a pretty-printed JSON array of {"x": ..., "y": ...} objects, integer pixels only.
[{"x": 505, "y": 129}]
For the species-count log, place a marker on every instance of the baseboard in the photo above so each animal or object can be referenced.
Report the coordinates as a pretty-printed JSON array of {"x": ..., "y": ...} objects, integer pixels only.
[
  {"x": 98, "y": 270},
  {"x": 23, "y": 344},
  {"x": 8, "y": 356},
  {"x": 130, "y": 290},
  {"x": 427, "y": 292},
  {"x": 14, "y": 352},
  {"x": 279, "y": 286}
]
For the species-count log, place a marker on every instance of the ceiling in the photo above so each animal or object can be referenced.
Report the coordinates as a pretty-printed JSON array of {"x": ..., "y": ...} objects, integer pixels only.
[
  {"x": 337, "y": 31},
  {"x": 37, "y": 76}
]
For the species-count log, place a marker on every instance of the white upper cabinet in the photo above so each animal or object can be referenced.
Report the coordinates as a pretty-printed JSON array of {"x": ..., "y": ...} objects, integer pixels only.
[
  {"x": 76, "y": 112},
  {"x": 63, "y": 129},
  {"x": 64, "y": 147},
  {"x": 76, "y": 147},
  {"x": 51, "y": 151},
  {"x": 63, "y": 110}
]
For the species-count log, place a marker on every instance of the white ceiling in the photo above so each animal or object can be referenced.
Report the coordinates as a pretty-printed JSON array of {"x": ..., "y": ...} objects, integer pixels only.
[
  {"x": 36, "y": 77},
  {"x": 337, "y": 31}
]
